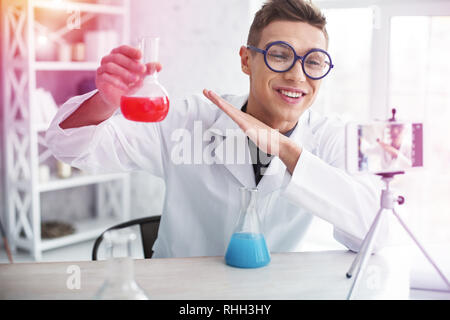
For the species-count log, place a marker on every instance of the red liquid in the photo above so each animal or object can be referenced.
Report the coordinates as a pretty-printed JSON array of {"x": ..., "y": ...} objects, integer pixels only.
[{"x": 144, "y": 109}]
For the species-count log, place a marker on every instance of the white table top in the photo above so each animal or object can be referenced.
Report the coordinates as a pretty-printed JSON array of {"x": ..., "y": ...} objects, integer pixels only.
[{"x": 305, "y": 275}]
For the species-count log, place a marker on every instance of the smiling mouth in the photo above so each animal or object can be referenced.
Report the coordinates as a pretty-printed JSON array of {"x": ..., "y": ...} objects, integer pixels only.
[{"x": 290, "y": 96}]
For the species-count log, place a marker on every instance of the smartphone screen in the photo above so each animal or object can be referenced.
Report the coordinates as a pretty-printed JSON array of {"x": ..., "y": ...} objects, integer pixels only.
[{"x": 388, "y": 147}]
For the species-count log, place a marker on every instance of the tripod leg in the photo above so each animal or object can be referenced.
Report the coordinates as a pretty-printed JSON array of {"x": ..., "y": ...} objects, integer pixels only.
[
  {"x": 444, "y": 278},
  {"x": 364, "y": 245},
  {"x": 366, "y": 253}
]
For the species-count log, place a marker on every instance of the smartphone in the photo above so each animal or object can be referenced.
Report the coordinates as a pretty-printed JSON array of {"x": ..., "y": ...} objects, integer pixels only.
[{"x": 383, "y": 147}]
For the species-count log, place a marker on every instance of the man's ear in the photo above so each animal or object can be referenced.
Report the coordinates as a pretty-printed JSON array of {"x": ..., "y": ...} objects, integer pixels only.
[{"x": 245, "y": 60}]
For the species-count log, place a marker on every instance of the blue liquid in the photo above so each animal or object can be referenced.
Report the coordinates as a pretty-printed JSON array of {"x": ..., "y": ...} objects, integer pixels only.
[{"x": 247, "y": 250}]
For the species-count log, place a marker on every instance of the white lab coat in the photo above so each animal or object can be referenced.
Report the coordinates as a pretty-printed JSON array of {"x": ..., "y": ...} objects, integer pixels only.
[{"x": 201, "y": 204}]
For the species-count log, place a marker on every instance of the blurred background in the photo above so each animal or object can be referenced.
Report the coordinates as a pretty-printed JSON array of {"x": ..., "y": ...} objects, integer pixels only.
[{"x": 387, "y": 54}]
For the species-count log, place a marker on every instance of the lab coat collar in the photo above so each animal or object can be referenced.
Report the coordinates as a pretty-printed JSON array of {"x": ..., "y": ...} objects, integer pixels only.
[{"x": 276, "y": 172}]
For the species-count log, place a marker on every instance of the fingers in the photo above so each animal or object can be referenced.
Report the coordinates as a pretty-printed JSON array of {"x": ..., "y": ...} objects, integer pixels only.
[
  {"x": 128, "y": 51},
  {"x": 118, "y": 71},
  {"x": 241, "y": 118},
  {"x": 125, "y": 71},
  {"x": 153, "y": 67},
  {"x": 217, "y": 100},
  {"x": 125, "y": 62},
  {"x": 115, "y": 81},
  {"x": 266, "y": 138},
  {"x": 128, "y": 58}
]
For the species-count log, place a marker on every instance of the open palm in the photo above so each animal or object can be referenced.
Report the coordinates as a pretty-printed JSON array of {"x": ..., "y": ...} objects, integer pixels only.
[{"x": 266, "y": 138}]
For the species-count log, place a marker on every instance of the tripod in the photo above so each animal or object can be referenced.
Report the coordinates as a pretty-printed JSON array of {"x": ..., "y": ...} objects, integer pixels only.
[{"x": 387, "y": 202}]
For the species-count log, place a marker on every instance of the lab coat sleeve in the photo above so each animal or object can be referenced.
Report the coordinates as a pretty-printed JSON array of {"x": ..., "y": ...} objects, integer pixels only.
[
  {"x": 320, "y": 184},
  {"x": 115, "y": 145}
]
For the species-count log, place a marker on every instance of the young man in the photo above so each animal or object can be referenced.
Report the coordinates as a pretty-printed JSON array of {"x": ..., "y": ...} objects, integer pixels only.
[{"x": 286, "y": 60}]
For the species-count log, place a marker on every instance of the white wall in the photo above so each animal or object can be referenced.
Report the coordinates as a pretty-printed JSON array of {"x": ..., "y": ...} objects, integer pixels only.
[{"x": 200, "y": 42}]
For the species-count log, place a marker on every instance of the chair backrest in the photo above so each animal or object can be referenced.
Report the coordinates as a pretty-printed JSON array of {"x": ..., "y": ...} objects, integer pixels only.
[{"x": 149, "y": 232}]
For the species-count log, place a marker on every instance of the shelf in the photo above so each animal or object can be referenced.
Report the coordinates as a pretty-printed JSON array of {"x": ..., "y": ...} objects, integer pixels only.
[
  {"x": 65, "y": 66},
  {"x": 79, "y": 6},
  {"x": 77, "y": 181},
  {"x": 24, "y": 189},
  {"x": 86, "y": 229}
]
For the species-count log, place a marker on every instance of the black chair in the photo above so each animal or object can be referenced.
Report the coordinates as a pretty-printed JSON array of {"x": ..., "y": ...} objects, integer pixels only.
[{"x": 149, "y": 231}]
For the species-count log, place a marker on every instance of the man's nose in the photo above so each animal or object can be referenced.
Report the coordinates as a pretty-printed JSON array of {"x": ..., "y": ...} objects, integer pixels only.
[{"x": 296, "y": 73}]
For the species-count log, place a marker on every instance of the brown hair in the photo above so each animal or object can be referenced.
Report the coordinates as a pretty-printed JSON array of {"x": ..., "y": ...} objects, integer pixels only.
[{"x": 290, "y": 10}]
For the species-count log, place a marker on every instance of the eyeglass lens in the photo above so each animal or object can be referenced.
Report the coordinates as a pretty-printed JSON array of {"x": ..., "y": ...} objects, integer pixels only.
[{"x": 281, "y": 57}]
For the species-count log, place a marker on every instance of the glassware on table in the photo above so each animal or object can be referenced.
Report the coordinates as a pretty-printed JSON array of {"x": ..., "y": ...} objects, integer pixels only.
[
  {"x": 151, "y": 102},
  {"x": 120, "y": 283},
  {"x": 247, "y": 247}
]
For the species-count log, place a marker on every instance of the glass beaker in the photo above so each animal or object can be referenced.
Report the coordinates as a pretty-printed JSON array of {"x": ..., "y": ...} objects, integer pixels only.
[
  {"x": 120, "y": 283},
  {"x": 151, "y": 102},
  {"x": 247, "y": 247}
]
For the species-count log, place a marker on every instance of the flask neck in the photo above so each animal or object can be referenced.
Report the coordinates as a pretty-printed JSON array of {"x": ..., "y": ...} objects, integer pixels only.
[
  {"x": 248, "y": 200},
  {"x": 150, "y": 49},
  {"x": 118, "y": 254},
  {"x": 248, "y": 217},
  {"x": 151, "y": 79}
]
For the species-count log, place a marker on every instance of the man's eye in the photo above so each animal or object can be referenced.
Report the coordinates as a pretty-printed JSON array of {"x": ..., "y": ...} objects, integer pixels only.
[
  {"x": 314, "y": 62},
  {"x": 278, "y": 56}
]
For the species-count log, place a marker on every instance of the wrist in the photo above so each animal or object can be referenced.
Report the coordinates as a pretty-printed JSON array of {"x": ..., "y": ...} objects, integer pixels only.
[
  {"x": 102, "y": 107},
  {"x": 91, "y": 112},
  {"x": 289, "y": 153}
]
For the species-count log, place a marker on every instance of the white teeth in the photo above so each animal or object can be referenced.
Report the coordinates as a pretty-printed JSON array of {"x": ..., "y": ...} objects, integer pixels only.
[{"x": 291, "y": 94}]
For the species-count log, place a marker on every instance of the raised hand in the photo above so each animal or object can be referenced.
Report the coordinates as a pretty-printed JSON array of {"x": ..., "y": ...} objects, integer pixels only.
[
  {"x": 268, "y": 140},
  {"x": 121, "y": 73}
]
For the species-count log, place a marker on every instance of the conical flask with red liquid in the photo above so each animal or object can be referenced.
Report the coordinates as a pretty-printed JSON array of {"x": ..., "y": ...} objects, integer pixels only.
[
  {"x": 247, "y": 247},
  {"x": 151, "y": 102}
]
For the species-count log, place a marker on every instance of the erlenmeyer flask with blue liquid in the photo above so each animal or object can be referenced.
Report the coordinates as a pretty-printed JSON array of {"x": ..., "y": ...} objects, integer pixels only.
[{"x": 247, "y": 247}]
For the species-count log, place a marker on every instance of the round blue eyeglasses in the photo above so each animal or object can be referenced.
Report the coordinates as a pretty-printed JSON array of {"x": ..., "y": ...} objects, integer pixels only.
[{"x": 280, "y": 56}]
